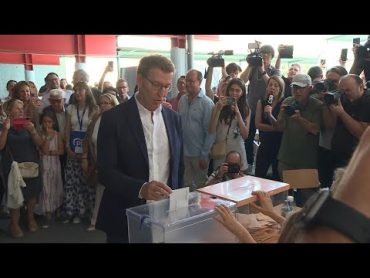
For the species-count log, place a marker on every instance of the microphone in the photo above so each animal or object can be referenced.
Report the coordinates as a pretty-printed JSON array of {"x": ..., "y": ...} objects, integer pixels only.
[{"x": 269, "y": 101}]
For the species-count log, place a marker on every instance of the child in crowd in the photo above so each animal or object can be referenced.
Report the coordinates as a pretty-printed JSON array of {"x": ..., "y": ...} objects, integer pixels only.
[{"x": 51, "y": 196}]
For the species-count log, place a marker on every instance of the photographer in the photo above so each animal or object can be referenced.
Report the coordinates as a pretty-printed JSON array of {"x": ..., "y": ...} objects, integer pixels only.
[
  {"x": 230, "y": 121},
  {"x": 349, "y": 118},
  {"x": 361, "y": 60},
  {"x": 232, "y": 69},
  {"x": 300, "y": 120},
  {"x": 257, "y": 77},
  {"x": 228, "y": 170},
  {"x": 322, "y": 91}
]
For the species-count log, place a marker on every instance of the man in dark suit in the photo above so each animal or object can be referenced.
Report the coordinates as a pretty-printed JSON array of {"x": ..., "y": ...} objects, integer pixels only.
[{"x": 140, "y": 149}]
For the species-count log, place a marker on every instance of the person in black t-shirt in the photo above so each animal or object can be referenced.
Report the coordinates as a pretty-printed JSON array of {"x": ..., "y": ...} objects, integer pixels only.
[{"x": 350, "y": 117}]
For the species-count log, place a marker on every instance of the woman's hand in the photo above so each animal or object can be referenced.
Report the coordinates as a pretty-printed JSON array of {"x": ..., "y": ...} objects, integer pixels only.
[
  {"x": 265, "y": 202},
  {"x": 6, "y": 124},
  {"x": 235, "y": 108},
  {"x": 228, "y": 219}
]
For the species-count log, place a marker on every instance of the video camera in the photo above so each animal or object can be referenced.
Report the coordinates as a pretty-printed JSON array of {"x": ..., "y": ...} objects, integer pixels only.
[
  {"x": 325, "y": 85},
  {"x": 216, "y": 59},
  {"x": 290, "y": 109},
  {"x": 254, "y": 59},
  {"x": 329, "y": 86},
  {"x": 332, "y": 97}
]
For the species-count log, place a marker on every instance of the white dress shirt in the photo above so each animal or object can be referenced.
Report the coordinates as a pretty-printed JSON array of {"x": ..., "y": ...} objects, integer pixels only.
[{"x": 157, "y": 144}]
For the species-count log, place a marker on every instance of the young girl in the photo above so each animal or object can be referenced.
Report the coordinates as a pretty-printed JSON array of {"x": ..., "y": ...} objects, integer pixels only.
[{"x": 51, "y": 196}]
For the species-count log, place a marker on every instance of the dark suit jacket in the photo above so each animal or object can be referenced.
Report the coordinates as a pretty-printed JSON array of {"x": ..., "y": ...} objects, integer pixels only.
[{"x": 123, "y": 165}]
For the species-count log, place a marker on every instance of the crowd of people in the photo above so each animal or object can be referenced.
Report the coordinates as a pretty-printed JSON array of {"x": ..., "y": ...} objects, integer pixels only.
[{"x": 100, "y": 151}]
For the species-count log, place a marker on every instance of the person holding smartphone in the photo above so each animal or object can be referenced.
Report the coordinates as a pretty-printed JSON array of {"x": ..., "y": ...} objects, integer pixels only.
[{"x": 230, "y": 121}]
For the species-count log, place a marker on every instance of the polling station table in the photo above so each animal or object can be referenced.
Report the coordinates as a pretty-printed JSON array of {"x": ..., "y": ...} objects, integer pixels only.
[{"x": 240, "y": 190}]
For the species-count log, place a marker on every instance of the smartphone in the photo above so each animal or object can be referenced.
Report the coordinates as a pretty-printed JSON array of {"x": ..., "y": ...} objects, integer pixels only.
[
  {"x": 343, "y": 54},
  {"x": 19, "y": 123},
  {"x": 110, "y": 64},
  {"x": 230, "y": 100},
  {"x": 356, "y": 40}
]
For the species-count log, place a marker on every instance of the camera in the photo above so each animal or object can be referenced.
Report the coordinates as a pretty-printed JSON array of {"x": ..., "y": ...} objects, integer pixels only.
[
  {"x": 332, "y": 97},
  {"x": 324, "y": 86},
  {"x": 254, "y": 59},
  {"x": 286, "y": 51},
  {"x": 216, "y": 59},
  {"x": 290, "y": 109},
  {"x": 233, "y": 168}
]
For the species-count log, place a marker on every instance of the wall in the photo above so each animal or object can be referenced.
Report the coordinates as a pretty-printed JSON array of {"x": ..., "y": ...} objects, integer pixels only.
[
  {"x": 7, "y": 72},
  {"x": 17, "y": 72}
]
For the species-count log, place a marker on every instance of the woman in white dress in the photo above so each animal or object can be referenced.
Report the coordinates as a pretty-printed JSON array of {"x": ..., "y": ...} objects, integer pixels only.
[{"x": 230, "y": 121}]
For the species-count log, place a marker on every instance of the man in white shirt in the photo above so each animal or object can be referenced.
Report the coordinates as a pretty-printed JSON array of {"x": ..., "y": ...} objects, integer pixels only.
[{"x": 140, "y": 149}]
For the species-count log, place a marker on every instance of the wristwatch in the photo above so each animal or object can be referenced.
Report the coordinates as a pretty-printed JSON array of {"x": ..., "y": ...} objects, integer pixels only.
[{"x": 323, "y": 209}]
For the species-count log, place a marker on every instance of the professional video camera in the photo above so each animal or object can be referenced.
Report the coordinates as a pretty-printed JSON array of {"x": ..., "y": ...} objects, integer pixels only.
[
  {"x": 254, "y": 59},
  {"x": 325, "y": 85},
  {"x": 329, "y": 86},
  {"x": 216, "y": 60},
  {"x": 332, "y": 97}
]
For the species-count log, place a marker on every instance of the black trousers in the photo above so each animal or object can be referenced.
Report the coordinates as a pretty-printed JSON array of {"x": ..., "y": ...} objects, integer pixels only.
[
  {"x": 326, "y": 167},
  {"x": 266, "y": 156}
]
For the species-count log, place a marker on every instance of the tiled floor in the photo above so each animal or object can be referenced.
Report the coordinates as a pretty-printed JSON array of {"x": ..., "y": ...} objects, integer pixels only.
[{"x": 56, "y": 233}]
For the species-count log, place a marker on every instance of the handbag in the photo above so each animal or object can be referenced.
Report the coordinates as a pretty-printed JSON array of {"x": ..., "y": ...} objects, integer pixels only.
[
  {"x": 29, "y": 169},
  {"x": 218, "y": 150}
]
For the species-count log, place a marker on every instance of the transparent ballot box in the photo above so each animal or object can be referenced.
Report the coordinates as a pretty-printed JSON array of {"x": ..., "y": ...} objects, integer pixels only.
[{"x": 154, "y": 223}]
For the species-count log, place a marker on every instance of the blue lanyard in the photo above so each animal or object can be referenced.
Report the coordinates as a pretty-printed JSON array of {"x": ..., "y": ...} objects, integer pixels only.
[{"x": 80, "y": 119}]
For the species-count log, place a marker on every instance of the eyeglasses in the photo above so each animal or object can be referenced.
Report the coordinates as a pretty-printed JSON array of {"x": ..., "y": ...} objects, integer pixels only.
[{"x": 158, "y": 86}]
